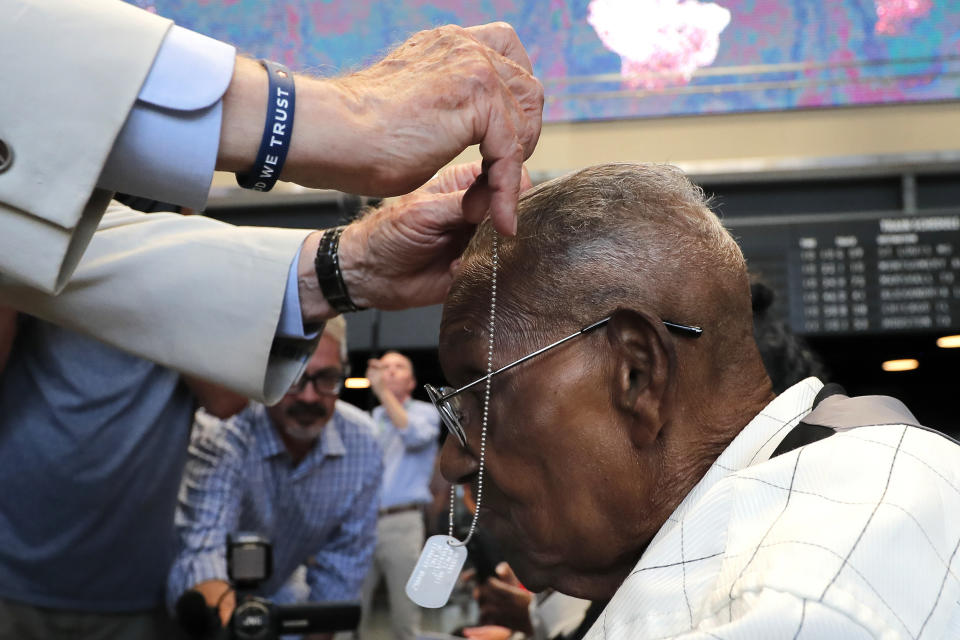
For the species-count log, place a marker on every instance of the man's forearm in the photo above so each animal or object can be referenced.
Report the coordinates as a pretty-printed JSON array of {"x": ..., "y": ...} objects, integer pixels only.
[
  {"x": 394, "y": 408},
  {"x": 324, "y": 121},
  {"x": 442, "y": 91},
  {"x": 398, "y": 255},
  {"x": 356, "y": 276}
]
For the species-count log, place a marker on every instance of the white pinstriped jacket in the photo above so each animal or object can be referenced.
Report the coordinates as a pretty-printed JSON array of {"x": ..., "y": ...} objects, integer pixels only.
[{"x": 854, "y": 536}]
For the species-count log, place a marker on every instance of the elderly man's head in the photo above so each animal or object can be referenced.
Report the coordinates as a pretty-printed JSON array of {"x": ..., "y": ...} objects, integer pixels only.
[{"x": 593, "y": 444}]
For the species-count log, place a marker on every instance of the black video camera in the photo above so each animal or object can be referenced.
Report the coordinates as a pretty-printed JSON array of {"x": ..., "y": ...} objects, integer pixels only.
[{"x": 249, "y": 564}]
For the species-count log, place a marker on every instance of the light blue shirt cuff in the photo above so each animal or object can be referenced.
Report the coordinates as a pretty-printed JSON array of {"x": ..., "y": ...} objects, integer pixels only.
[
  {"x": 167, "y": 149},
  {"x": 291, "y": 315}
]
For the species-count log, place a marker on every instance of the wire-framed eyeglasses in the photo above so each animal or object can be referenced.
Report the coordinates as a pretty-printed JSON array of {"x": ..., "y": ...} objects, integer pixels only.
[{"x": 446, "y": 400}]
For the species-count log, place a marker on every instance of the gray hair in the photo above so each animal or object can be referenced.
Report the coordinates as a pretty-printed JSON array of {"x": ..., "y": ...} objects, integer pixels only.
[
  {"x": 336, "y": 328},
  {"x": 607, "y": 236}
]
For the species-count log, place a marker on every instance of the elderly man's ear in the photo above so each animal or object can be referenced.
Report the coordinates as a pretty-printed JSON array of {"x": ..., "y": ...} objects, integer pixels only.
[{"x": 644, "y": 369}]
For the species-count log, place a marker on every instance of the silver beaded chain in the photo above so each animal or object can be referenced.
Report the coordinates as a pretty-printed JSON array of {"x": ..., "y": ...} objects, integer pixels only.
[{"x": 486, "y": 408}]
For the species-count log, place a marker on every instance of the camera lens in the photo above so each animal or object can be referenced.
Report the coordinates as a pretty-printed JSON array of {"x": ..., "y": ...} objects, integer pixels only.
[{"x": 251, "y": 621}]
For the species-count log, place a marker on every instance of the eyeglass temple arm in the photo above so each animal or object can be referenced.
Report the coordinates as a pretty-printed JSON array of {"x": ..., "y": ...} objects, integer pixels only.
[
  {"x": 693, "y": 332},
  {"x": 586, "y": 329}
]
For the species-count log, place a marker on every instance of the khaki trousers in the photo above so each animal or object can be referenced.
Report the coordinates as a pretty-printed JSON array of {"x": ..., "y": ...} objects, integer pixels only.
[{"x": 399, "y": 541}]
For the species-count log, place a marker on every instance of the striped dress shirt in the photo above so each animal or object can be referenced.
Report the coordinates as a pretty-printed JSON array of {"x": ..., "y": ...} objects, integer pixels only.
[
  {"x": 321, "y": 513},
  {"x": 854, "y": 536}
]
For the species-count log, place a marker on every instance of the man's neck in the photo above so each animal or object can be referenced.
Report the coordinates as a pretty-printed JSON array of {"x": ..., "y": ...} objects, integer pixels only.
[
  {"x": 401, "y": 397},
  {"x": 718, "y": 416},
  {"x": 297, "y": 449},
  {"x": 696, "y": 446}
]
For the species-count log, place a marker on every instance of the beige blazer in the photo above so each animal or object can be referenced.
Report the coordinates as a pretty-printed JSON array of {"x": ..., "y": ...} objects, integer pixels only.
[
  {"x": 71, "y": 72},
  {"x": 190, "y": 293}
]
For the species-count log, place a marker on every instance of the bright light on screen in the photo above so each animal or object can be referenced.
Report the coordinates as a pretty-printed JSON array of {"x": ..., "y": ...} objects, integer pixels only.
[
  {"x": 602, "y": 59},
  {"x": 661, "y": 42}
]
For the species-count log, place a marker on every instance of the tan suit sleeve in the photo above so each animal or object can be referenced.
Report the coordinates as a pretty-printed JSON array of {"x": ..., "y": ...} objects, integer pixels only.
[
  {"x": 191, "y": 293},
  {"x": 71, "y": 72}
]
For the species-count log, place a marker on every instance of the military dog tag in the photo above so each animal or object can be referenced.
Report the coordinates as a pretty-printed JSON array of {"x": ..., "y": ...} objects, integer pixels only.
[{"x": 436, "y": 572}]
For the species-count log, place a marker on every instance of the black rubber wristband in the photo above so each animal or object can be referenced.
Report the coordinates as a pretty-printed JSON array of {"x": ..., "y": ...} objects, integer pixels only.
[
  {"x": 329, "y": 276},
  {"x": 277, "y": 130}
]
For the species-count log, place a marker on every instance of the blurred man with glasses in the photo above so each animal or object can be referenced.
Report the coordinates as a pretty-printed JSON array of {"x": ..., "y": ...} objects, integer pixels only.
[{"x": 305, "y": 473}]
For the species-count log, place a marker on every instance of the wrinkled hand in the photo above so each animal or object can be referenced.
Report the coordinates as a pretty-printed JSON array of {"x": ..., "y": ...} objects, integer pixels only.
[
  {"x": 401, "y": 254},
  {"x": 219, "y": 595},
  {"x": 440, "y": 92},
  {"x": 503, "y": 601}
]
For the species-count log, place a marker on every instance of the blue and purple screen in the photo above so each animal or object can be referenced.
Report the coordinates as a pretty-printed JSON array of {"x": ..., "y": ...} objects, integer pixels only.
[{"x": 603, "y": 59}]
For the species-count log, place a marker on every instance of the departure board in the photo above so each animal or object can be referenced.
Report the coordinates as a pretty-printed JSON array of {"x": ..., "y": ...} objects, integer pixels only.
[{"x": 864, "y": 275}]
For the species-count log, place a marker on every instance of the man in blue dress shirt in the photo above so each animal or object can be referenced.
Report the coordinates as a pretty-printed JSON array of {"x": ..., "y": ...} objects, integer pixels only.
[
  {"x": 93, "y": 443},
  {"x": 408, "y": 430},
  {"x": 305, "y": 473}
]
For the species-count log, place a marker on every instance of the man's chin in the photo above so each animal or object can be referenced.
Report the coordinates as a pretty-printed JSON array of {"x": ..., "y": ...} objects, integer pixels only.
[
  {"x": 532, "y": 578},
  {"x": 536, "y": 574},
  {"x": 303, "y": 433},
  {"x": 536, "y": 578},
  {"x": 536, "y": 570}
]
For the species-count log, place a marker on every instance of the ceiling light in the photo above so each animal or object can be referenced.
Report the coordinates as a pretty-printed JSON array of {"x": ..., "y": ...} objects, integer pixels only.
[
  {"x": 357, "y": 383},
  {"x": 949, "y": 342},
  {"x": 906, "y": 364}
]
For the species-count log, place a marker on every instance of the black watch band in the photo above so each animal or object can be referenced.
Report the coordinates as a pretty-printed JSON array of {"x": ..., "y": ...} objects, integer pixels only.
[{"x": 329, "y": 275}]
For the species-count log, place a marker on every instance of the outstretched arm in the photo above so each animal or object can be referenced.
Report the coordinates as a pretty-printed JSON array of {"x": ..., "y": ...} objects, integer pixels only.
[{"x": 398, "y": 122}]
